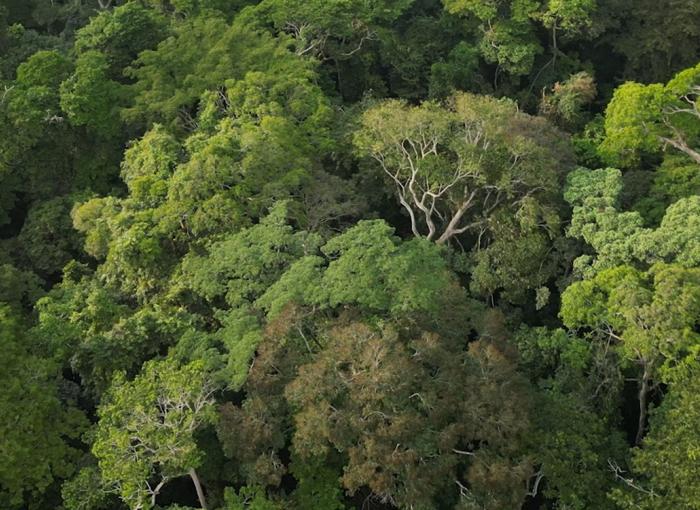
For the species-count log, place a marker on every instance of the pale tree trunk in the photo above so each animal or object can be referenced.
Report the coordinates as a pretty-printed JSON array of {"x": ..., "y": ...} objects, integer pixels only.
[
  {"x": 198, "y": 487},
  {"x": 452, "y": 229},
  {"x": 683, "y": 147},
  {"x": 156, "y": 491}
]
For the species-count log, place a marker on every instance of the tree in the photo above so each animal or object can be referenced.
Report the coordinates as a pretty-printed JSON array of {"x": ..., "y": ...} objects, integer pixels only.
[
  {"x": 89, "y": 98},
  {"x": 38, "y": 427},
  {"x": 33, "y": 131},
  {"x": 248, "y": 498},
  {"x": 507, "y": 41},
  {"x": 44, "y": 157},
  {"x": 253, "y": 276},
  {"x": 509, "y": 32},
  {"x": 255, "y": 143},
  {"x": 523, "y": 255},
  {"x": 338, "y": 213},
  {"x": 146, "y": 166},
  {"x": 146, "y": 433},
  {"x": 620, "y": 237},
  {"x": 653, "y": 55},
  {"x": 19, "y": 288},
  {"x": 427, "y": 52},
  {"x": 204, "y": 54},
  {"x": 95, "y": 332},
  {"x": 368, "y": 267},
  {"x": 189, "y": 8},
  {"x": 47, "y": 239},
  {"x": 664, "y": 466},
  {"x": 231, "y": 277},
  {"x": 613, "y": 235},
  {"x": 646, "y": 119},
  {"x": 120, "y": 34},
  {"x": 318, "y": 484},
  {"x": 564, "y": 105},
  {"x": 241, "y": 267},
  {"x": 649, "y": 317},
  {"x": 395, "y": 407},
  {"x": 86, "y": 491},
  {"x": 577, "y": 399},
  {"x": 452, "y": 166},
  {"x": 255, "y": 433},
  {"x": 674, "y": 241},
  {"x": 677, "y": 177},
  {"x": 333, "y": 29},
  {"x": 574, "y": 450}
]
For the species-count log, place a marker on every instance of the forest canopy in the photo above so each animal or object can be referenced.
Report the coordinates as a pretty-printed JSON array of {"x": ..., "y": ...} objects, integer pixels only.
[{"x": 350, "y": 254}]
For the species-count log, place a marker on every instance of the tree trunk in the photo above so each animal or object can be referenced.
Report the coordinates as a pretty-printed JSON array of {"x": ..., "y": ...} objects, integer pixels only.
[
  {"x": 198, "y": 486},
  {"x": 156, "y": 491},
  {"x": 683, "y": 147},
  {"x": 452, "y": 228},
  {"x": 643, "y": 394}
]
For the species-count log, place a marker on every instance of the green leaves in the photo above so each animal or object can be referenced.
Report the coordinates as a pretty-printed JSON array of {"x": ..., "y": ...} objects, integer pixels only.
[
  {"x": 619, "y": 237},
  {"x": 595, "y": 188},
  {"x": 248, "y": 498},
  {"x": 203, "y": 54},
  {"x": 367, "y": 267},
  {"x": 32, "y": 105},
  {"x": 44, "y": 69},
  {"x": 146, "y": 429},
  {"x": 651, "y": 314},
  {"x": 19, "y": 287},
  {"x": 613, "y": 235},
  {"x": 570, "y": 16},
  {"x": 507, "y": 40},
  {"x": 655, "y": 55},
  {"x": 121, "y": 34},
  {"x": 452, "y": 166},
  {"x": 38, "y": 432},
  {"x": 148, "y": 164},
  {"x": 47, "y": 237},
  {"x": 241, "y": 267},
  {"x": 646, "y": 119},
  {"x": 395, "y": 406},
  {"x": 90, "y": 98},
  {"x": 676, "y": 239},
  {"x": 632, "y": 123},
  {"x": 330, "y": 28},
  {"x": 267, "y": 268},
  {"x": 667, "y": 463},
  {"x": 575, "y": 448},
  {"x": 509, "y": 30},
  {"x": 299, "y": 203},
  {"x": 676, "y": 178},
  {"x": 565, "y": 106}
]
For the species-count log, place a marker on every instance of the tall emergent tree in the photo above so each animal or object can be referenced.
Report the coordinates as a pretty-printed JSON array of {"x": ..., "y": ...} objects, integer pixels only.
[{"x": 453, "y": 165}]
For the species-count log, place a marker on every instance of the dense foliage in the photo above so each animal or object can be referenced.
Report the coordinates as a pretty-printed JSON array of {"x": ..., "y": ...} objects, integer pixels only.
[{"x": 350, "y": 254}]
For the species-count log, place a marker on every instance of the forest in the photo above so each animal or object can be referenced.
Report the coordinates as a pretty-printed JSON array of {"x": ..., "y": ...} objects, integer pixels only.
[{"x": 350, "y": 254}]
